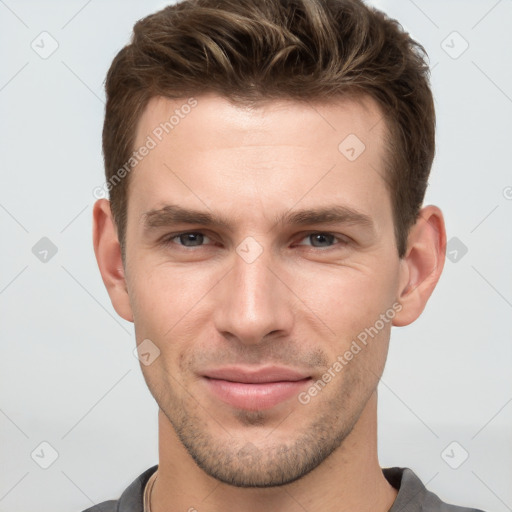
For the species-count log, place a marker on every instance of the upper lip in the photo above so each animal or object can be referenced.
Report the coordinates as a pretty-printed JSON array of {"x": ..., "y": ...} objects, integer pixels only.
[{"x": 253, "y": 375}]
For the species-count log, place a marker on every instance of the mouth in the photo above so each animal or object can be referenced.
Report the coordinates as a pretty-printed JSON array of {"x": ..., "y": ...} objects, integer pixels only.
[{"x": 255, "y": 389}]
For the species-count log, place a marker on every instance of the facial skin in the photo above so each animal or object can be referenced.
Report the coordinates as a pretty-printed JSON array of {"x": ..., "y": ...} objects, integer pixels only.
[{"x": 299, "y": 304}]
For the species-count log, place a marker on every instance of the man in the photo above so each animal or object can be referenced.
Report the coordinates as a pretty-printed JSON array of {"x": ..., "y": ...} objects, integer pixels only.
[{"x": 266, "y": 162}]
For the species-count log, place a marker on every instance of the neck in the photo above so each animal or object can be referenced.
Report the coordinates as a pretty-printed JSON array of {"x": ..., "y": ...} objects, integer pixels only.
[{"x": 349, "y": 479}]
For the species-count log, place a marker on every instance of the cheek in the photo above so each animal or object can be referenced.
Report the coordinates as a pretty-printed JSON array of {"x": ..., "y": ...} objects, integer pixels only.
[
  {"x": 161, "y": 298},
  {"x": 167, "y": 310},
  {"x": 346, "y": 299}
]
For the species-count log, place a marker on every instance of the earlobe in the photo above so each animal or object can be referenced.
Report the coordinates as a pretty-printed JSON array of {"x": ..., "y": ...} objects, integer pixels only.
[
  {"x": 108, "y": 256},
  {"x": 422, "y": 265}
]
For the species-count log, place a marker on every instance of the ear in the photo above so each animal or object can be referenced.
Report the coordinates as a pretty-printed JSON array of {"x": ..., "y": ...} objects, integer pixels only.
[
  {"x": 108, "y": 256},
  {"x": 422, "y": 264}
]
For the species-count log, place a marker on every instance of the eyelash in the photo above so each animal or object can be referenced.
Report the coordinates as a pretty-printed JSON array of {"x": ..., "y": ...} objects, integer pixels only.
[{"x": 167, "y": 240}]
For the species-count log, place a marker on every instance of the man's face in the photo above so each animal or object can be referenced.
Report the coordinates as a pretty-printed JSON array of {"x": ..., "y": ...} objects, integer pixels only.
[{"x": 225, "y": 301}]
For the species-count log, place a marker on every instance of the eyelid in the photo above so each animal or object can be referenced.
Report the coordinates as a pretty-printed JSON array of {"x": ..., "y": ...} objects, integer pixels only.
[
  {"x": 167, "y": 239},
  {"x": 343, "y": 239}
]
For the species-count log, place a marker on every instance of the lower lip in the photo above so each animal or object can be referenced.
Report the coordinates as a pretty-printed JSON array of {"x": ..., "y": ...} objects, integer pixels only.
[{"x": 254, "y": 397}]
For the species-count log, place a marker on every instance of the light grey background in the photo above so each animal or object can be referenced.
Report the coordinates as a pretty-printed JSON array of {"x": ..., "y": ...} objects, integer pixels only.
[{"x": 68, "y": 374}]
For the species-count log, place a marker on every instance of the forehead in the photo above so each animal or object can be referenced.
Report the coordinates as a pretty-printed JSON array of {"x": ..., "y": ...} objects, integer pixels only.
[
  {"x": 211, "y": 117},
  {"x": 209, "y": 153}
]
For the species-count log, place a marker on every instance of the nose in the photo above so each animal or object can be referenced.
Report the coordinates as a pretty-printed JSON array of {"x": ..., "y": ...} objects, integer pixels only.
[{"x": 254, "y": 301}]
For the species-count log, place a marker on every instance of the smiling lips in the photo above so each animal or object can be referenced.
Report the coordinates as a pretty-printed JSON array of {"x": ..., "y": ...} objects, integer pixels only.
[{"x": 250, "y": 389}]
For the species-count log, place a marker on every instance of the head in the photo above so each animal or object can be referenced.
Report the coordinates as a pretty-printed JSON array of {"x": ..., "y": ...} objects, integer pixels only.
[{"x": 292, "y": 141}]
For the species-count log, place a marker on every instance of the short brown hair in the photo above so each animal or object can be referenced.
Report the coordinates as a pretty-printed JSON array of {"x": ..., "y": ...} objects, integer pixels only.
[{"x": 253, "y": 50}]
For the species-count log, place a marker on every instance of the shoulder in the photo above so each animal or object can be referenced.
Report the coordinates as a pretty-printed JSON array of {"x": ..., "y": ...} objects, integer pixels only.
[
  {"x": 413, "y": 496},
  {"x": 131, "y": 498},
  {"x": 105, "y": 506}
]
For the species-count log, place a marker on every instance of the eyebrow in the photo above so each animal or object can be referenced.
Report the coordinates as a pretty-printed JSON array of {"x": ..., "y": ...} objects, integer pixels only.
[{"x": 172, "y": 214}]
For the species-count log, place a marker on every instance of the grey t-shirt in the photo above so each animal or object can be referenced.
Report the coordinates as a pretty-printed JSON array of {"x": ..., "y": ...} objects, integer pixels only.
[{"x": 412, "y": 495}]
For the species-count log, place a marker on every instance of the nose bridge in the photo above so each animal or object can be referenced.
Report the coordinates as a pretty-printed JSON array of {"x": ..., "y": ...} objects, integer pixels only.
[{"x": 255, "y": 301}]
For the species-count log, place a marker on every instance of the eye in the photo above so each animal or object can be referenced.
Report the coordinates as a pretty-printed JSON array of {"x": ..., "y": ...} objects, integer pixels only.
[
  {"x": 197, "y": 239},
  {"x": 323, "y": 239},
  {"x": 186, "y": 239}
]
